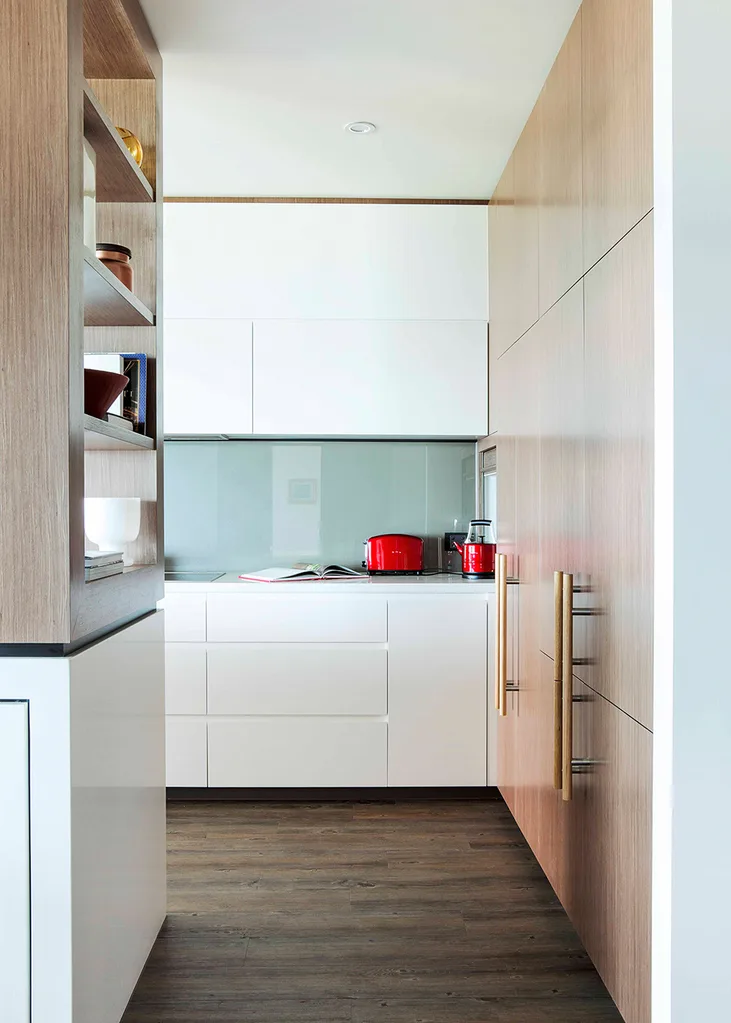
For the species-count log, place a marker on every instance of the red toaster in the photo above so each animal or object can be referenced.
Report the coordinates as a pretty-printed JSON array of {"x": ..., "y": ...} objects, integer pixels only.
[{"x": 394, "y": 554}]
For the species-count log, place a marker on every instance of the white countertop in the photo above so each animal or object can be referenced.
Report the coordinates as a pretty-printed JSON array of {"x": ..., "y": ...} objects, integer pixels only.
[{"x": 230, "y": 583}]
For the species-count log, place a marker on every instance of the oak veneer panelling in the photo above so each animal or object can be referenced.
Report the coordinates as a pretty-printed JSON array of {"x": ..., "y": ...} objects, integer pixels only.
[
  {"x": 118, "y": 42},
  {"x": 527, "y": 157},
  {"x": 609, "y": 863},
  {"x": 501, "y": 239},
  {"x": 132, "y": 105},
  {"x": 530, "y": 723},
  {"x": 36, "y": 321},
  {"x": 560, "y": 200},
  {"x": 617, "y": 120},
  {"x": 562, "y": 465},
  {"x": 619, "y": 471}
]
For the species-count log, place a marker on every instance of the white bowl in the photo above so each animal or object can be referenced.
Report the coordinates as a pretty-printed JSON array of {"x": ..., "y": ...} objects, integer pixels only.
[{"x": 112, "y": 522}]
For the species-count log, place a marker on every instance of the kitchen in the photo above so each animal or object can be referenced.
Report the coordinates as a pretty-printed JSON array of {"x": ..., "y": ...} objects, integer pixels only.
[{"x": 464, "y": 784}]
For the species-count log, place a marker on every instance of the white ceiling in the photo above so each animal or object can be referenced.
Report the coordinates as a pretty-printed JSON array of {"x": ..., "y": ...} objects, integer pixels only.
[{"x": 256, "y": 93}]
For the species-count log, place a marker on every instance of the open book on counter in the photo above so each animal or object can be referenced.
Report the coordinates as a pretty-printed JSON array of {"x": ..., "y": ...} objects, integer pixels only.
[{"x": 303, "y": 573}]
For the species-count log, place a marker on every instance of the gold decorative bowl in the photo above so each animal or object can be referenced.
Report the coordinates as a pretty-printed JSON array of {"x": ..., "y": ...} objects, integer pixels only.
[{"x": 133, "y": 144}]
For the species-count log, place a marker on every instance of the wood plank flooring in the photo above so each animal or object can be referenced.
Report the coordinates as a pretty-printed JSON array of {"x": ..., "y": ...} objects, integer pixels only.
[{"x": 405, "y": 912}]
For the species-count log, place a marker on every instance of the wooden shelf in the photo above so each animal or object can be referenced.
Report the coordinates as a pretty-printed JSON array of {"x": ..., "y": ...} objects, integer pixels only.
[
  {"x": 99, "y": 435},
  {"x": 118, "y": 178},
  {"x": 122, "y": 578},
  {"x": 117, "y": 41},
  {"x": 107, "y": 303}
]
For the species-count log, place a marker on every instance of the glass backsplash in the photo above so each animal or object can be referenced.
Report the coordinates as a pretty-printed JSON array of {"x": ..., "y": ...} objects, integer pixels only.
[{"x": 244, "y": 505}]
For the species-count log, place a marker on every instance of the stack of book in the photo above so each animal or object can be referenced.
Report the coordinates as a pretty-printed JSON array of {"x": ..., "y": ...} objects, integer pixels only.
[{"x": 100, "y": 564}]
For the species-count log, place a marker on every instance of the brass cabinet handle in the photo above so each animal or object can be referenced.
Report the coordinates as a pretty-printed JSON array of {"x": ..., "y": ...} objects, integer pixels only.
[
  {"x": 567, "y": 715},
  {"x": 503, "y": 630},
  {"x": 498, "y": 631},
  {"x": 557, "y": 679}
]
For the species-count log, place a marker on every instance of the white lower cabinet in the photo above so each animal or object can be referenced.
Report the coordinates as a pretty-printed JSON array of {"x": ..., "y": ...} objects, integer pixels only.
[
  {"x": 318, "y": 690},
  {"x": 437, "y": 689},
  {"x": 297, "y": 752},
  {"x": 297, "y": 678},
  {"x": 186, "y": 752},
  {"x": 14, "y": 863}
]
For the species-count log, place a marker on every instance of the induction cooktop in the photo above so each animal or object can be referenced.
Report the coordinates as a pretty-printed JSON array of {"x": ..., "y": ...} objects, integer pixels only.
[{"x": 192, "y": 577}]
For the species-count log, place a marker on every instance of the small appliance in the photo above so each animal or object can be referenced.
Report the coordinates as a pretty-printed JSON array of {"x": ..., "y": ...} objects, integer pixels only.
[
  {"x": 394, "y": 554},
  {"x": 478, "y": 551}
]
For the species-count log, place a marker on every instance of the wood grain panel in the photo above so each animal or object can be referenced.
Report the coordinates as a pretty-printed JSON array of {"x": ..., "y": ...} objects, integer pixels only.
[
  {"x": 609, "y": 862},
  {"x": 117, "y": 41},
  {"x": 562, "y": 465},
  {"x": 525, "y": 220},
  {"x": 619, "y": 471},
  {"x": 37, "y": 323},
  {"x": 132, "y": 104},
  {"x": 501, "y": 241},
  {"x": 560, "y": 200},
  {"x": 617, "y": 120},
  {"x": 118, "y": 178},
  {"x": 530, "y": 726},
  {"x": 134, "y": 225}
]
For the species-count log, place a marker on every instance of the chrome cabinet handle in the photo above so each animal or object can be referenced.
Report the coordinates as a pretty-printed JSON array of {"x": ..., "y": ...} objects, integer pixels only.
[
  {"x": 567, "y": 710},
  {"x": 557, "y": 679}
]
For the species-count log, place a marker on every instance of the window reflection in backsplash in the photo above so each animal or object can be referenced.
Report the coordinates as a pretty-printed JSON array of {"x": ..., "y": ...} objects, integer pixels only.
[{"x": 243, "y": 505}]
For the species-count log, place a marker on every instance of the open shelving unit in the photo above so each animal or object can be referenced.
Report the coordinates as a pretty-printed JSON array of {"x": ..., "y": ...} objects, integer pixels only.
[
  {"x": 118, "y": 178},
  {"x": 107, "y": 302},
  {"x": 101, "y": 69},
  {"x": 100, "y": 435}
]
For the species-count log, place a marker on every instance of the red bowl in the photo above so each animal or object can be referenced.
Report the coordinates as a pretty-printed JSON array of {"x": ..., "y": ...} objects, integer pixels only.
[{"x": 100, "y": 390}]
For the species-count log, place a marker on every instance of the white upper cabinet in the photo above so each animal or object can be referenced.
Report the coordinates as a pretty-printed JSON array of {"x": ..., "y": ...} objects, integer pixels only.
[
  {"x": 207, "y": 376},
  {"x": 325, "y": 261},
  {"x": 373, "y": 378}
]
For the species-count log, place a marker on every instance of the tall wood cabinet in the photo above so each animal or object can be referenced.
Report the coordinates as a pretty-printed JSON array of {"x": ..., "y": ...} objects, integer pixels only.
[
  {"x": 572, "y": 417},
  {"x": 73, "y": 72}
]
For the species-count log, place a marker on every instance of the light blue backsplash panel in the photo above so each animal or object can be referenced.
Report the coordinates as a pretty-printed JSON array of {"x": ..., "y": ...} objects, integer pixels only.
[{"x": 243, "y": 505}]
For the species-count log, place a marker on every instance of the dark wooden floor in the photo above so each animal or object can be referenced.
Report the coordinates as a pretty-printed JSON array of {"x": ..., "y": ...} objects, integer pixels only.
[{"x": 423, "y": 912}]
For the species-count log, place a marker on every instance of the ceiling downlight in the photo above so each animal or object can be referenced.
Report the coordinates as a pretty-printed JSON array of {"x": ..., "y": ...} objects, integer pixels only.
[{"x": 360, "y": 127}]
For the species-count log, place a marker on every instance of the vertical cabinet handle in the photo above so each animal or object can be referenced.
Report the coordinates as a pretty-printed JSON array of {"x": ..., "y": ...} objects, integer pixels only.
[
  {"x": 567, "y": 658},
  {"x": 557, "y": 679},
  {"x": 501, "y": 579},
  {"x": 504, "y": 637},
  {"x": 498, "y": 631}
]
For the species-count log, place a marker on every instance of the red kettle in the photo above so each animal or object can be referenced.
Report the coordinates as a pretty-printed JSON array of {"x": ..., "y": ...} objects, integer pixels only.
[{"x": 478, "y": 551}]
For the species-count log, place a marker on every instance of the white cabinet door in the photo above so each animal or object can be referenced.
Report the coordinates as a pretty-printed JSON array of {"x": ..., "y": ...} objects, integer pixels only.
[
  {"x": 185, "y": 678},
  {"x": 358, "y": 377},
  {"x": 317, "y": 261},
  {"x": 437, "y": 690},
  {"x": 284, "y": 618},
  {"x": 186, "y": 752},
  {"x": 297, "y": 679},
  {"x": 207, "y": 376},
  {"x": 185, "y": 617},
  {"x": 14, "y": 864},
  {"x": 296, "y": 752}
]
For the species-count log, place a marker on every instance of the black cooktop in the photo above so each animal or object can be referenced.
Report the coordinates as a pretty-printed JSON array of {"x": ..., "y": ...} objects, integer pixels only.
[{"x": 192, "y": 577}]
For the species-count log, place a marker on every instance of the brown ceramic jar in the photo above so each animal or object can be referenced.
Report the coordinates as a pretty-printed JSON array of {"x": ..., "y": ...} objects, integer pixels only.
[{"x": 117, "y": 259}]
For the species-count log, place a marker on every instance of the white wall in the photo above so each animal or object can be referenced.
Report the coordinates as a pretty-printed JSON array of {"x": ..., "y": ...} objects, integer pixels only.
[
  {"x": 692, "y": 769},
  {"x": 325, "y": 261}
]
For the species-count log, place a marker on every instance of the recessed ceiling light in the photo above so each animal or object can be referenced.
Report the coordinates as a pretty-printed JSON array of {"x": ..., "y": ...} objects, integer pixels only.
[{"x": 360, "y": 127}]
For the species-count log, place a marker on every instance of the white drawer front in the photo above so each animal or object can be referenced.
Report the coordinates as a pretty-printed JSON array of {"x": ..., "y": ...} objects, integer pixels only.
[
  {"x": 185, "y": 678},
  {"x": 296, "y": 752},
  {"x": 185, "y": 617},
  {"x": 311, "y": 618},
  {"x": 185, "y": 755},
  {"x": 306, "y": 678}
]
